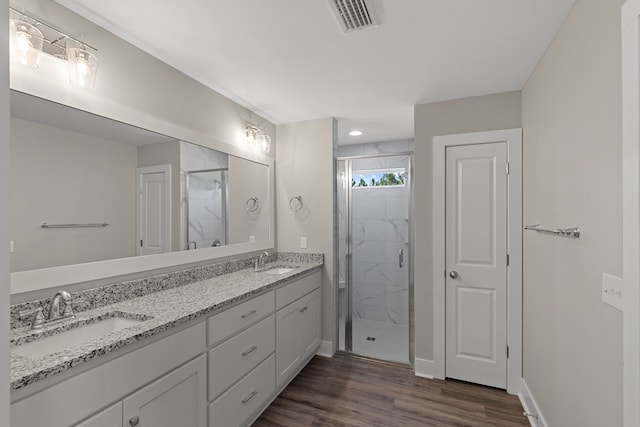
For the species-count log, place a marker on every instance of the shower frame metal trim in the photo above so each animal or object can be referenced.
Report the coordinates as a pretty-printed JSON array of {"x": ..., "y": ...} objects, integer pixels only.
[
  {"x": 223, "y": 199},
  {"x": 348, "y": 339}
]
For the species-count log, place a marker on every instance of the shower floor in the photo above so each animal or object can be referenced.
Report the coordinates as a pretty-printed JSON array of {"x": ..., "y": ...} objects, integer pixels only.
[{"x": 391, "y": 340}]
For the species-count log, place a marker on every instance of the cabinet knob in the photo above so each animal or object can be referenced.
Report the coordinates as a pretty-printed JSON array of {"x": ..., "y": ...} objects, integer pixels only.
[{"x": 134, "y": 421}]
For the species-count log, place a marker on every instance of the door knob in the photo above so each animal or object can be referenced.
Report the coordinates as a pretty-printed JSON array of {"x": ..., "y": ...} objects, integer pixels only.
[
  {"x": 453, "y": 274},
  {"x": 134, "y": 421}
]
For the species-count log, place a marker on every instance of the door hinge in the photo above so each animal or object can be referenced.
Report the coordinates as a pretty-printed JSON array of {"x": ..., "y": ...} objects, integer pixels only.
[
  {"x": 507, "y": 352},
  {"x": 507, "y": 260},
  {"x": 141, "y": 243},
  {"x": 445, "y": 273},
  {"x": 507, "y": 169}
]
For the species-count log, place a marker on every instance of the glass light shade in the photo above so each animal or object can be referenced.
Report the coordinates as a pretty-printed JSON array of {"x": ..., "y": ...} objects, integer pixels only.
[
  {"x": 251, "y": 137},
  {"x": 83, "y": 66},
  {"x": 265, "y": 143},
  {"x": 26, "y": 43}
]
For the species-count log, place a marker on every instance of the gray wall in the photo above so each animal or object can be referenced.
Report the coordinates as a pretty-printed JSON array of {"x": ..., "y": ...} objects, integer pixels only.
[
  {"x": 482, "y": 113},
  {"x": 61, "y": 176},
  {"x": 4, "y": 216},
  {"x": 247, "y": 179},
  {"x": 305, "y": 160},
  {"x": 573, "y": 176}
]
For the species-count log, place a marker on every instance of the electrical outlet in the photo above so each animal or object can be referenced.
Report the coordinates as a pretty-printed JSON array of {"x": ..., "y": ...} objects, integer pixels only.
[
  {"x": 303, "y": 243},
  {"x": 612, "y": 290},
  {"x": 252, "y": 238}
]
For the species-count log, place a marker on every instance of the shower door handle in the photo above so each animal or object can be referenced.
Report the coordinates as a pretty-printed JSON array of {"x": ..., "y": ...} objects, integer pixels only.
[{"x": 401, "y": 258}]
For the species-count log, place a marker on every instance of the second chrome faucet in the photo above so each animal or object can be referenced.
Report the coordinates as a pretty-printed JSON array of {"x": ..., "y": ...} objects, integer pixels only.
[{"x": 261, "y": 261}]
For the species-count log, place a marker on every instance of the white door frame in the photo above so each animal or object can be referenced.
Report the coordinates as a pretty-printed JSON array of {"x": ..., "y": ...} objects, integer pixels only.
[
  {"x": 630, "y": 211},
  {"x": 166, "y": 170},
  {"x": 513, "y": 139}
]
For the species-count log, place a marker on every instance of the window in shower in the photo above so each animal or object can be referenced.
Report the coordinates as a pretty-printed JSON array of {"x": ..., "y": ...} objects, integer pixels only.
[{"x": 380, "y": 178}]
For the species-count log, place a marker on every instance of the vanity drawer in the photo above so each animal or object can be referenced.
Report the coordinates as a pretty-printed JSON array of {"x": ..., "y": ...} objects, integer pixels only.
[
  {"x": 297, "y": 289},
  {"x": 232, "y": 359},
  {"x": 246, "y": 398},
  {"x": 235, "y": 319}
]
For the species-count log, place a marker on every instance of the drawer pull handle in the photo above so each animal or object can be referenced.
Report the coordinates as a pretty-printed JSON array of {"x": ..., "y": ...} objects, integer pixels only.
[
  {"x": 134, "y": 421},
  {"x": 250, "y": 396},
  {"x": 249, "y": 351},
  {"x": 302, "y": 310},
  {"x": 251, "y": 313}
]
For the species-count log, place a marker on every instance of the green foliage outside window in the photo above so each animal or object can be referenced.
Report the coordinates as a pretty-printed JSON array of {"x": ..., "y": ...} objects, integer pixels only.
[{"x": 378, "y": 179}]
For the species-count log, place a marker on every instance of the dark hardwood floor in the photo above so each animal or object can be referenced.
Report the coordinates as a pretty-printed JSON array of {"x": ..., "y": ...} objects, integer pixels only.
[{"x": 351, "y": 391}]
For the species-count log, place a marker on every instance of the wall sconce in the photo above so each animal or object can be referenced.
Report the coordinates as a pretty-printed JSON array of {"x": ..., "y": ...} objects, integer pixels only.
[
  {"x": 28, "y": 35},
  {"x": 26, "y": 43},
  {"x": 83, "y": 66},
  {"x": 257, "y": 139}
]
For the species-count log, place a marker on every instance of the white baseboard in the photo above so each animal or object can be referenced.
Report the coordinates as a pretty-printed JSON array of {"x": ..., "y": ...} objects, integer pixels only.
[
  {"x": 325, "y": 349},
  {"x": 424, "y": 368},
  {"x": 531, "y": 406}
]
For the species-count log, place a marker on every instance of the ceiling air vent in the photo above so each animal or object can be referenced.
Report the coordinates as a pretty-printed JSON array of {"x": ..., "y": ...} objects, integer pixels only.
[{"x": 353, "y": 14}]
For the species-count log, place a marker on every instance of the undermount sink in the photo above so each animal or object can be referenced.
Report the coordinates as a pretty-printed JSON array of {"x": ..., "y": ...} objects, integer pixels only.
[
  {"x": 80, "y": 334},
  {"x": 278, "y": 270}
]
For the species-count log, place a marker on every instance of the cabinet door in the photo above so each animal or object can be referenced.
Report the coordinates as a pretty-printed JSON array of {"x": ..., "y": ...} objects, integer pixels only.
[
  {"x": 177, "y": 399},
  {"x": 310, "y": 323},
  {"x": 288, "y": 353},
  {"x": 110, "y": 417}
]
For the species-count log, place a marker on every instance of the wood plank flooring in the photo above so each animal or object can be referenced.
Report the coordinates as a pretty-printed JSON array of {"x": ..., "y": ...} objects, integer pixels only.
[{"x": 355, "y": 392}]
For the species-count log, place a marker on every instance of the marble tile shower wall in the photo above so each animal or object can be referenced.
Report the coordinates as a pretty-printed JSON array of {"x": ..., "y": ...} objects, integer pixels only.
[
  {"x": 204, "y": 217},
  {"x": 380, "y": 231}
]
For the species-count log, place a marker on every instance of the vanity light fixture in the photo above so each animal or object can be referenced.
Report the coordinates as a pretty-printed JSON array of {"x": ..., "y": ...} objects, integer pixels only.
[
  {"x": 257, "y": 139},
  {"x": 26, "y": 43},
  {"x": 30, "y": 38},
  {"x": 83, "y": 66},
  {"x": 355, "y": 133}
]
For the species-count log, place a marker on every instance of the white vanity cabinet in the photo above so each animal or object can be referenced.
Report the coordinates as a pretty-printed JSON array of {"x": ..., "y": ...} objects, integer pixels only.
[
  {"x": 176, "y": 399},
  {"x": 219, "y": 372},
  {"x": 241, "y": 361},
  {"x": 147, "y": 374},
  {"x": 297, "y": 326},
  {"x": 110, "y": 417}
]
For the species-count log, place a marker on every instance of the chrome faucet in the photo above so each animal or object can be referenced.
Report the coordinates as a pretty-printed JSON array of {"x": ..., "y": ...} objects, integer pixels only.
[
  {"x": 54, "y": 309},
  {"x": 260, "y": 262}
]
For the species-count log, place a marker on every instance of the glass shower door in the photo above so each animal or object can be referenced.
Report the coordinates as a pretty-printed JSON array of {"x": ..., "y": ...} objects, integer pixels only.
[
  {"x": 206, "y": 208},
  {"x": 377, "y": 200}
]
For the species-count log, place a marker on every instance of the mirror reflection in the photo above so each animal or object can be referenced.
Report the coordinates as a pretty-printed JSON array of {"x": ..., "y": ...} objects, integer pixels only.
[{"x": 105, "y": 190}]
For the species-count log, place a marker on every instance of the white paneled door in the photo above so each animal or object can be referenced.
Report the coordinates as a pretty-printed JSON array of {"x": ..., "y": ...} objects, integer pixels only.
[
  {"x": 476, "y": 263},
  {"x": 154, "y": 210}
]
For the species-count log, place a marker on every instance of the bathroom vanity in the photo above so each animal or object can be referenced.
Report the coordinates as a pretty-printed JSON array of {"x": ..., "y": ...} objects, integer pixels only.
[{"x": 214, "y": 352}]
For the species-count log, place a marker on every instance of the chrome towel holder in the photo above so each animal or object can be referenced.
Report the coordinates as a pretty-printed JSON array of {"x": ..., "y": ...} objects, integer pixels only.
[
  {"x": 571, "y": 233},
  {"x": 87, "y": 225}
]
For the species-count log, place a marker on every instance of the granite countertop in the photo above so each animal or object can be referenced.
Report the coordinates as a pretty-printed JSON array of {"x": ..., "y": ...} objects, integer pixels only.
[{"x": 158, "y": 311}]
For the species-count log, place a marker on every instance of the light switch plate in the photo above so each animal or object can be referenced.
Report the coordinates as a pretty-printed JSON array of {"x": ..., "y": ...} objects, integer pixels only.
[
  {"x": 612, "y": 290},
  {"x": 303, "y": 243}
]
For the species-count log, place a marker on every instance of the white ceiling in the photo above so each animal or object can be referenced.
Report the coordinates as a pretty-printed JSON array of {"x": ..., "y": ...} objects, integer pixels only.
[{"x": 288, "y": 60}]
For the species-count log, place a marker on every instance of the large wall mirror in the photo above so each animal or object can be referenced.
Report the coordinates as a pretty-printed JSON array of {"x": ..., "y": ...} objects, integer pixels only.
[{"x": 94, "y": 193}]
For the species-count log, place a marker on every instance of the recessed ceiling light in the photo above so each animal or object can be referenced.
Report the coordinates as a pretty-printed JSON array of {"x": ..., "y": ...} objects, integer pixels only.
[{"x": 355, "y": 133}]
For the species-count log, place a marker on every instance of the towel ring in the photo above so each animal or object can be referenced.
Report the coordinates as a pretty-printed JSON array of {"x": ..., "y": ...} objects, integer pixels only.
[
  {"x": 295, "y": 203},
  {"x": 252, "y": 204}
]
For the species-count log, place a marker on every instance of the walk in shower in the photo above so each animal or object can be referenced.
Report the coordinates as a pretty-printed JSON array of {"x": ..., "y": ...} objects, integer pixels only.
[
  {"x": 375, "y": 284},
  {"x": 206, "y": 208},
  {"x": 205, "y": 196}
]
